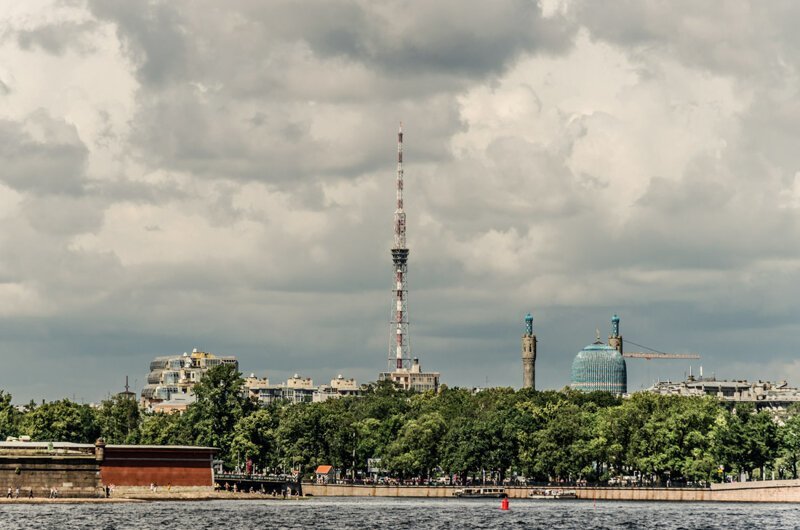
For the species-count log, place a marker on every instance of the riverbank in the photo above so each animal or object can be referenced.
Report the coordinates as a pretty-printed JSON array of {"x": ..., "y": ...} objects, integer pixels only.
[
  {"x": 774, "y": 491},
  {"x": 73, "y": 500},
  {"x": 123, "y": 494},
  {"x": 784, "y": 491}
]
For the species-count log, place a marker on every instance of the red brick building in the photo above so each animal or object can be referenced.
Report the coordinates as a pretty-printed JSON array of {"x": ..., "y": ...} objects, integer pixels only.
[{"x": 142, "y": 465}]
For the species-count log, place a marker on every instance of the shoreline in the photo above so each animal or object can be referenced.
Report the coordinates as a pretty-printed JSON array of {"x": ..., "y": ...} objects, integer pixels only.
[
  {"x": 153, "y": 497},
  {"x": 771, "y": 491}
]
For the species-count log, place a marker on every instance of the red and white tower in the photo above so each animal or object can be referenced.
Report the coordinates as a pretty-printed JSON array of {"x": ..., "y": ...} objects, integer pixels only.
[{"x": 399, "y": 349}]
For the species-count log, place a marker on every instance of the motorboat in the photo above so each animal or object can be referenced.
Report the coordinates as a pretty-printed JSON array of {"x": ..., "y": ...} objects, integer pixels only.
[
  {"x": 541, "y": 493},
  {"x": 481, "y": 493}
]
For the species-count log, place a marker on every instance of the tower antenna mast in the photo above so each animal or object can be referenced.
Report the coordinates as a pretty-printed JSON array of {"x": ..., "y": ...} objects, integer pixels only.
[{"x": 399, "y": 350}]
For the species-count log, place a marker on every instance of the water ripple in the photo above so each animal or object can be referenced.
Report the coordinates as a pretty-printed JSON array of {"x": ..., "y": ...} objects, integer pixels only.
[{"x": 385, "y": 514}]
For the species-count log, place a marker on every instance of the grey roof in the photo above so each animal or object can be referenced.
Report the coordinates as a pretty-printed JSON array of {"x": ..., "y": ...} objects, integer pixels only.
[
  {"x": 122, "y": 446},
  {"x": 71, "y": 445},
  {"x": 47, "y": 445}
]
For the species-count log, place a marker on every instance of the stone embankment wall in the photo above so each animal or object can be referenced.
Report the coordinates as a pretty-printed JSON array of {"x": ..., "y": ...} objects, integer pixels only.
[
  {"x": 621, "y": 494},
  {"x": 758, "y": 491},
  {"x": 766, "y": 491},
  {"x": 72, "y": 476}
]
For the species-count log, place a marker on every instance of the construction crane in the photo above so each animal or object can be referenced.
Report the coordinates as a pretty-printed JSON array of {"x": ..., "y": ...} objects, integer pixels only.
[
  {"x": 658, "y": 355},
  {"x": 615, "y": 341},
  {"x": 655, "y": 354},
  {"x": 649, "y": 355}
]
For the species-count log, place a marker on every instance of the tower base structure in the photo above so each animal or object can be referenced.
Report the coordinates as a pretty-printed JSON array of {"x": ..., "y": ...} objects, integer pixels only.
[{"x": 413, "y": 379}]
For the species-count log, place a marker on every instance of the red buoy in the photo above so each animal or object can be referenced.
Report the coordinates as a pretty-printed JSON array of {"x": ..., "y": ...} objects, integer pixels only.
[{"x": 504, "y": 503}]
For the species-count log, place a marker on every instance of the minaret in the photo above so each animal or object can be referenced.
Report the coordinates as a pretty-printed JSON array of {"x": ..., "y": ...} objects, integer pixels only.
[
  {"x": 615, "y": 339},
  {"x": 528, "y": 354},
  {"x": 399, "y": 349}
]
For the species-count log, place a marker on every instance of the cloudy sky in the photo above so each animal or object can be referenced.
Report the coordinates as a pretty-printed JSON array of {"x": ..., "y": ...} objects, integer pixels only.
[{"x": 219, "y": 175}]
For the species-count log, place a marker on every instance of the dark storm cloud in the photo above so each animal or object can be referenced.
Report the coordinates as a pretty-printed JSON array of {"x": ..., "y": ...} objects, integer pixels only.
[
  {"x": 250, "y": 91},
  {"x": 231, "y": 187},
  {"x": 63, "y": 215},
  {"x": 467, "y": 38},
  {"x": 731, "y": 37},
  {"x": 58, "y": 37},
  {"x": 153, "y": 35},
  {"x": 210, "y": 140},
  {"x": 137, "y": 192},
  {"x": 52, "y": 163}
]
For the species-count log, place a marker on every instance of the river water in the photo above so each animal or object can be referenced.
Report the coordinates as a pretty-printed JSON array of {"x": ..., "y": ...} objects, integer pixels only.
[{"x": 386, "y": 514}]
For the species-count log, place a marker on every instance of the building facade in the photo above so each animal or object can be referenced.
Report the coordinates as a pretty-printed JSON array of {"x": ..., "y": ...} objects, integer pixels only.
[
  {"x": 299, "y": 389},
  {"x": 412, "y": 379},
  {"x": 82, "y": 470},
  {"x": 763, "y": 394},
  {"x": 174, "y": 375}
]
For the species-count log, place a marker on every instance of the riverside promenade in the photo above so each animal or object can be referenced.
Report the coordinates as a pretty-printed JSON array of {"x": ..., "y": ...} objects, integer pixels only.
[
  {"x": 134, "y": 494},
  {"x": 761, "y": 491}
]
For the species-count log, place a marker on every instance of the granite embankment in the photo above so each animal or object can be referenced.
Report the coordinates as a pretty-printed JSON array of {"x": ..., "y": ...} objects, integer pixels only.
[
  {"x": 145, "y": 494},
  {"x": 766, "y": 491}
]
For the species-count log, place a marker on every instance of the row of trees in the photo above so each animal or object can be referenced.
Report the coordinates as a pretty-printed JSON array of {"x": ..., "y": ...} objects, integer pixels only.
[{"x": 543, "y": 436}]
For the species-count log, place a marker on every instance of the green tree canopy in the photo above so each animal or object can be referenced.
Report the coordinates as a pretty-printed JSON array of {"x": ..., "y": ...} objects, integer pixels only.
[
  {"x": 61, "y": 421},
  {"x": 119, "y": 419},
  {"x": 220, "y": 404}
]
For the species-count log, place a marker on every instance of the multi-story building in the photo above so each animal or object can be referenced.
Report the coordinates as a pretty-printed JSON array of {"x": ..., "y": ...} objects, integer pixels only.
[
  {"x": 412, "y": 379},
  {"x": 173, "y": 376},
  {"x": 298, "y": 389},
  {"x": 339, "y": 387}
]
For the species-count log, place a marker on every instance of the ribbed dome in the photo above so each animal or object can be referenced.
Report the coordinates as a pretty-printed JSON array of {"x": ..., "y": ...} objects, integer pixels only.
[{"x": 599, "y": 367}]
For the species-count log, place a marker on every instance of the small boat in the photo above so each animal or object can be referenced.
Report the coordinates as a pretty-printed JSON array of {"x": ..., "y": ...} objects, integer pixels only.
[
  {"x": 552, "y": 494},
  {"x": 481, "y": 493}
]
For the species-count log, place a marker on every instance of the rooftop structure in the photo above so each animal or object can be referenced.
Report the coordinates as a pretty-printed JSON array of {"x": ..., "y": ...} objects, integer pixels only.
[
  {"x": 178, "y": 402},
  {"x": 341, "y": 384},
  {"x": 764, "y": 394},
  {"x": 339, "y": 387},
  {"x": 299, "y": 382},
  {"x": 299, "y": 389},
  {"x": 599, "y": 367},
  {"x": 413, "y": 379},
  {"x": 177, "y": 374}
]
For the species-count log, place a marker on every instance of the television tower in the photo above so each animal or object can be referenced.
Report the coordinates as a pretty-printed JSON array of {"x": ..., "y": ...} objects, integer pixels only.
[{"x": 399, "y": 348}]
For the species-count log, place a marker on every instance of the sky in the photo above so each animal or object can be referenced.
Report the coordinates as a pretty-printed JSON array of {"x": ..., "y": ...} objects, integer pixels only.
[{"x": 220, "y": 175}]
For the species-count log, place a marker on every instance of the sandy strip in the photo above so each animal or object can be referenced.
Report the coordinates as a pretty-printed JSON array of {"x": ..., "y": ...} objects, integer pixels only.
[
  {"x": 66, "y": 500},
  {"x": 150, "y": 497}
]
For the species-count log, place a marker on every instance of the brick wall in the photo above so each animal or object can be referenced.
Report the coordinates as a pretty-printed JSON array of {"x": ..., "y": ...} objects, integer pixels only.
[
  {"x": 142, "y": 466},
  {"x": 72, "y": 476}
]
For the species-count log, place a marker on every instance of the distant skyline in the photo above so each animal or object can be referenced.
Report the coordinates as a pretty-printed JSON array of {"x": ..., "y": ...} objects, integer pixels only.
[{"x": 195, "y": 174}]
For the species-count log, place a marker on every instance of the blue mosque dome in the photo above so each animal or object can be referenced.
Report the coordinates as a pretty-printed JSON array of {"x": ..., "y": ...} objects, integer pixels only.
[{"x": 599, "y": 367}]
